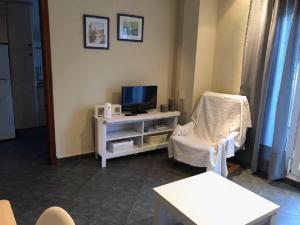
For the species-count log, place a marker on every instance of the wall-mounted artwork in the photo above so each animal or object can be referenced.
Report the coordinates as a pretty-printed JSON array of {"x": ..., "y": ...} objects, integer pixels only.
[
  {"x": 130, "y": 28},
  {"x": 96, "y": 32}
]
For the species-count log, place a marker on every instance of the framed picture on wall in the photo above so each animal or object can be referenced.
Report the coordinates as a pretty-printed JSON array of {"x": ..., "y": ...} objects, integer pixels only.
[
  {"x": 130, "y": 28},
  {"x": 96, "y": 32}
]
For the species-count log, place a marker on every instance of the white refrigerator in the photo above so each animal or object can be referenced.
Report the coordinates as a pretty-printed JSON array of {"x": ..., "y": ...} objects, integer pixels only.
[{"x": 7, "y": 123}]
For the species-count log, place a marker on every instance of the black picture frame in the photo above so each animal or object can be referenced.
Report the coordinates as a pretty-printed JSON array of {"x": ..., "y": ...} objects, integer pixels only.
[
  {"x": 90, "y": 45},
  {"x": 119, "y": 37}
]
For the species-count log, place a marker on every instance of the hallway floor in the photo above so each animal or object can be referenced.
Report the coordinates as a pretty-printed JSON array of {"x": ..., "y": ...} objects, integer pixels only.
[{"x": 117, "y": 195}]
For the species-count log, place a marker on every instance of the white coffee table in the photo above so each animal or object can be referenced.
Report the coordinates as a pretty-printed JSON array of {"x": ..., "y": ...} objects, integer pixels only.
[{"x": 209, "y": 199}]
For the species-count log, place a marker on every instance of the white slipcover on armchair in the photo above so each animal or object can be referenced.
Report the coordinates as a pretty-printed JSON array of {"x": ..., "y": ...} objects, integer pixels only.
[{"x": 218, "y": 129}]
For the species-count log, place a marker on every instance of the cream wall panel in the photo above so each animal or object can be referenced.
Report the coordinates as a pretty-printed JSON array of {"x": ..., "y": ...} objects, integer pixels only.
[
  {"x": 85, "y": 77},
  {"x": 187, "y": 59},
  {"x": 229, "y": 46},
  {"x": 205, "y": 48}
]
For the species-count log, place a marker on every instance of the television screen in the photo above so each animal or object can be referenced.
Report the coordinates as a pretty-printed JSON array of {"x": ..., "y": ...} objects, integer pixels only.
[{"x": 139, "y": 98}]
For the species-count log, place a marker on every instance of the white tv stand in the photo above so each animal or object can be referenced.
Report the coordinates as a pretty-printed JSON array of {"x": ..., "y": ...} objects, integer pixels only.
[{"x": 131, "y": 127}]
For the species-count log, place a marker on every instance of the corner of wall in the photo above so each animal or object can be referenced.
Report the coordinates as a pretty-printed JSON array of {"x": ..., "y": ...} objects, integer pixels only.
[
  {"x": 187, "y": 57},
  {"x": 205, "y": 48},
  {"x": 209, "y": 56},
  {"x": 229, "y": 45}
]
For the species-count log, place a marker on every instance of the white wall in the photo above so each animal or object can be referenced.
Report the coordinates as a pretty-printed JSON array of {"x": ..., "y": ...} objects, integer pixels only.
[
  {"x": 190, "y": 46},
  {"x": 212, "y": 57},
  {"x": 229, "y": 46},
  {"x": 197, "y": 50},
  {"x": 187, "y": 56},
  {"x": 205, "y": 48},
  {"x": 83, "y": 78}
]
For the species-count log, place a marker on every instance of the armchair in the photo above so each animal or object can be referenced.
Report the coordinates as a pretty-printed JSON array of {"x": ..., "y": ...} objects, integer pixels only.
[{"x": 218, "y": 129}]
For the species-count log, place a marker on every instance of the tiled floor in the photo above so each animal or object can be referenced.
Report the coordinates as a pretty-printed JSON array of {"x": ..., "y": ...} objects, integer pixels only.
[{"x": 117, "y": 195}]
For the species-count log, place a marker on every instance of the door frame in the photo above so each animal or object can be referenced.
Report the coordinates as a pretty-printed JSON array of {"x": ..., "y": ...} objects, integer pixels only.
[
  {"x": 294, "y": 128},
  {"x": 48, "y": 84}
]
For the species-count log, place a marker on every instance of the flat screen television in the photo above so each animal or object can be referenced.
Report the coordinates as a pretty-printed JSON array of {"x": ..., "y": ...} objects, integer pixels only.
[{"x": 138, "y": 99}]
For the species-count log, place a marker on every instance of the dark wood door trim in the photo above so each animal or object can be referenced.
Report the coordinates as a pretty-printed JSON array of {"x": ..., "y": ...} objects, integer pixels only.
[{"x": 47, "y": 68}]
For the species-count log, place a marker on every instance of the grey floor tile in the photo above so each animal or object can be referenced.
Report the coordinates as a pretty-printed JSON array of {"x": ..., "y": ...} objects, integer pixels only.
[{"x": 120, "y": 194}]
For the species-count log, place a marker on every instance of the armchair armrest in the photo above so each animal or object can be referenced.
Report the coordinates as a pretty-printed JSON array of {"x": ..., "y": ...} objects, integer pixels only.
[
  {"x": 183, "y": 130},
  {"x": 232, "y": 136},
  {"x": 230, "y": 142}
]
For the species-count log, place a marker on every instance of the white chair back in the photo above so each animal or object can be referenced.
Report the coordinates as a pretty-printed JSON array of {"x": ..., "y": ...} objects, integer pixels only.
[
  {"x": 218, "y": 115},
  {"x": 55, "y": 216}
]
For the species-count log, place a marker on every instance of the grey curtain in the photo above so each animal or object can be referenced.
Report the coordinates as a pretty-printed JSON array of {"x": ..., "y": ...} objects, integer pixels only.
[
  {"x": 289, "y": 10},
  {"x": 276, "y": 21},
  {"x": 256, "y": 42}
]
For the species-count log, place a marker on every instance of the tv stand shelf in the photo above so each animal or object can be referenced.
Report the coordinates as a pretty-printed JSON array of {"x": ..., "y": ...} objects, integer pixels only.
[
  {"x": 117, "y": 135},
  {"x": 121, "y": 127}
]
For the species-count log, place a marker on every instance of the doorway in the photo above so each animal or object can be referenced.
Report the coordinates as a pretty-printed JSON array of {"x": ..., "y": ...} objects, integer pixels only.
[
  {"x": 293, "y": 143},
  {"x": 27, "y": 97}
]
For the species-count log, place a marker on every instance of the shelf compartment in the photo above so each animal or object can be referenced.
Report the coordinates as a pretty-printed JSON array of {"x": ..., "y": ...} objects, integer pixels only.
[
  {"x": 135, "y": 150},
  {"x": 158, "y": 131},
  {"x": 125, "y": 130},
  {"x": 168, "y": 123},
  {"x": 122, "y": 134},
  {"x": 149, "y": 147}
]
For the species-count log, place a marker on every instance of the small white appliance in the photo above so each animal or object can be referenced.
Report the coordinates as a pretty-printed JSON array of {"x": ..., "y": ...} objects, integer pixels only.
[
  {"x": 107, "y": 110},
  {"x": 119, "y": 146},
  {"x": 115, "y": 110}
]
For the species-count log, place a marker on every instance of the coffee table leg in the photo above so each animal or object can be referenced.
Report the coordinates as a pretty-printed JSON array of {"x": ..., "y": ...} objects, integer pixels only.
[
  {"x": 159, "y": 213},
  {"x": 273, "y": 219}
]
